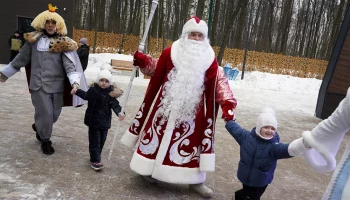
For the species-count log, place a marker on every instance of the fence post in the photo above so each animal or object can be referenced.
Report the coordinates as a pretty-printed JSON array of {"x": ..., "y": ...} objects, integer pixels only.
[{"x": 95, "y": 41}]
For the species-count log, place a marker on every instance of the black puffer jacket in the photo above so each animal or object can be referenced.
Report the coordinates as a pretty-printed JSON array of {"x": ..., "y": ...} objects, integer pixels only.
[
  {"x": 100, "y": 103},
  {"x": 83, "y": 53}
]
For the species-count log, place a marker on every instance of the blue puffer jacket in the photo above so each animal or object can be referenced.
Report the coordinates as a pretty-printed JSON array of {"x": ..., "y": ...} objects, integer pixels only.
[{"x": 258, "y": 157}]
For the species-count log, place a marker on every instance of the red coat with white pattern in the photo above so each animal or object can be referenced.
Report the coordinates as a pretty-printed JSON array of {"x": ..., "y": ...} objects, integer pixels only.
[{"x": 168, "y": 153}]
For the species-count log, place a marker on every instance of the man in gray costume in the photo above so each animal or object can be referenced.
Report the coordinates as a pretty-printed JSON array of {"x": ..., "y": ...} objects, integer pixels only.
[{"x": 51, "y": 56}]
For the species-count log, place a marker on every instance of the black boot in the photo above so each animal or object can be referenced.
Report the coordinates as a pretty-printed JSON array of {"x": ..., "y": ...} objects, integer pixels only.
[
  {"x": 47, "y": 148},
  {"x": 37, "y": 135}
]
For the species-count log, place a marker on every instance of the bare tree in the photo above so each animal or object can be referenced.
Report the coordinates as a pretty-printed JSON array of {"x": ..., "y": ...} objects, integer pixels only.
[
  {"x": 200, "y": 8},
  {"x": 229, "y": 26}
]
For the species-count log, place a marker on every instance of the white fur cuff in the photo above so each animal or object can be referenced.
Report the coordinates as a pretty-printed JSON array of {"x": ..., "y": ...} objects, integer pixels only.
[
  {"x": 319, "y": 158},
  {"x": 9, "y": 71},
  {"x": 207, "y": 163},
  {"x": 74, "y": 77},
  {"x": 129, "y": 139}
]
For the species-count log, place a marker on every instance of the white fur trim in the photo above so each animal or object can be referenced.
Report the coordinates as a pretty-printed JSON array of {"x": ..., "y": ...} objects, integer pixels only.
[
  {"x": 74, "y": 77},
  {"x": 129, "y": 139},
  {"x": 192, "y": 26},
  {"x": 142, "y": 165},
  {"x": 175, "y": 48},
  {"x": 165, "y": 173},
  {"x": 319, "y": 158},
  {"x": 9, "y": 70},
  {"x": 207, "y": 162},
  {"x": 297, "y": 147},
  {"x": 178, "y": 175}
]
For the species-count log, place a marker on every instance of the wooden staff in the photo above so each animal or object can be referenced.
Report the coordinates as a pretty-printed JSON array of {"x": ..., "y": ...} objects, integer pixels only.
[{"x": 141, "y": 48}]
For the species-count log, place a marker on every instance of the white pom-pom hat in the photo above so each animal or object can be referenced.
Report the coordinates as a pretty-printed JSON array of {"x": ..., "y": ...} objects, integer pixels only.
[
  {"x": 104, "y": 74},
  {"x": 194, "y": 24},
  {"x": 266, "y": 118}
]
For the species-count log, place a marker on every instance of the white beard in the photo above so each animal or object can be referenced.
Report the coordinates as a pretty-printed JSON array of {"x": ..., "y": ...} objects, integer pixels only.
[{"x": 183, "y": 91}]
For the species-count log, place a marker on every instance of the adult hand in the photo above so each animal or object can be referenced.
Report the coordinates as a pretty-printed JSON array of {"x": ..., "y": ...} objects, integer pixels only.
[
  {"x": 139, "y": 58},
  {"x": 297, "y": 147},
  {"x": 75, "y": 88},
  {"x": 228, "y": 109},
  {"x": 319, "y": 157},
  {"x": 3, "y": 78}
]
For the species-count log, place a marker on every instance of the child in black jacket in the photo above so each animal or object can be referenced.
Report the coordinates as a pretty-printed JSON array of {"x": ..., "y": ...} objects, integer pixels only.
[{"x": 102, "y": 98}]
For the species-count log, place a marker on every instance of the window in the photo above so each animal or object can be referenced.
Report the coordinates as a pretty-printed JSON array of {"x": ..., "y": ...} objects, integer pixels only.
[{"x": 24, "y": 24}]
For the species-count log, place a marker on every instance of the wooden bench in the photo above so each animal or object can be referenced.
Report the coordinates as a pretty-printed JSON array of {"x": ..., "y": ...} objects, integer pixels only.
[{"x": 124, "y": 66}]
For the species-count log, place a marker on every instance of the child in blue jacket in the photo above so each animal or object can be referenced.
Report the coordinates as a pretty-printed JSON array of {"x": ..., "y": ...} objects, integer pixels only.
[{"x": 259, "y": 151}]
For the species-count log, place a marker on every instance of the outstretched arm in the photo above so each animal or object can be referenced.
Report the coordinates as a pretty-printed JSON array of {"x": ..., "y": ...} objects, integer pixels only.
[
  {"x": 115, "y": 106},
  {"x": 147, "y": 63},
  {"x": 236, "y": 131},
  {"x": 21, "y": 60},
  {"x": 224, "y": 96},
  {"x": 326, "y": 137},
  {"x": 82, "y": 94}
]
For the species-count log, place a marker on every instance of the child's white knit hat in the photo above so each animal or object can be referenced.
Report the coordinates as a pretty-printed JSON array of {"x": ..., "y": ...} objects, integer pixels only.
[
  {"x": 104, "y": 74},
  {"x": 266, "y": 118}
]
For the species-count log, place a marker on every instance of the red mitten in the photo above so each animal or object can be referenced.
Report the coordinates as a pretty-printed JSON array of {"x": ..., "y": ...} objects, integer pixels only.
[
  {"x": 228, "y": 110},
  {"x": 140, "y": 59}
]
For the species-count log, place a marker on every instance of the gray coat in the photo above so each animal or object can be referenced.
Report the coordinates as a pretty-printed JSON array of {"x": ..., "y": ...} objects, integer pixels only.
[{"x": 48, "y": 69}]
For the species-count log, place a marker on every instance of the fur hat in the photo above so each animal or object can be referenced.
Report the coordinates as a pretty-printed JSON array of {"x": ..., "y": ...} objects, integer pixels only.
[
  {"x": 194, "y": 24},
  {"x": 83, "y": 40},
  {"x": 266, "y": 118},
  {"x": 50, "y": 14},
  {"x": 104, "y": 74}
]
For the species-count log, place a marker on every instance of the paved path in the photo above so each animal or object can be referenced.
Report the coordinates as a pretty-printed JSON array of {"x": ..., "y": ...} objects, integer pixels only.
[{"x": 26, "y": 173}]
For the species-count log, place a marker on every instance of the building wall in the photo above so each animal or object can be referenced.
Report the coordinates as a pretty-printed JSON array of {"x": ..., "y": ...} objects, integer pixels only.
[
  {"x": 340, "y": 80},
  {"x": 28, "y": 8},
  {"x": 336, "y": 80},
  {"x": 341, "y": 76}
]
